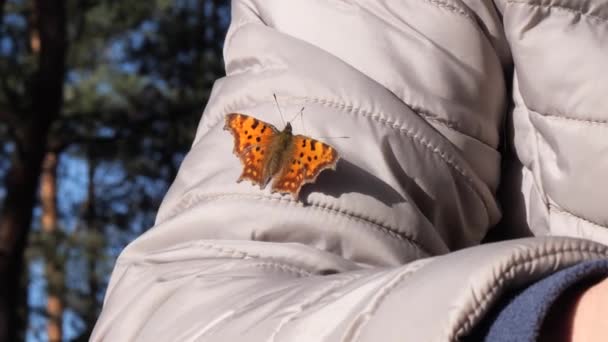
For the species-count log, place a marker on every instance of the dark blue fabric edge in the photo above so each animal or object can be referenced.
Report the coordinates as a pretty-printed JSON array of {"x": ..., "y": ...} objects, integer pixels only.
[{"x": 519, "y": 316}]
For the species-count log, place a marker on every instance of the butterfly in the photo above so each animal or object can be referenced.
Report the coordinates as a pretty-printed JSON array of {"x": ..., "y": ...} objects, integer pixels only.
[{"x": 267, "y": 153}]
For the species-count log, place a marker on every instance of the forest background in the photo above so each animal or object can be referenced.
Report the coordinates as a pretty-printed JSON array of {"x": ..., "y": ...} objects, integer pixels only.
[{"x": 99, "y": 102}]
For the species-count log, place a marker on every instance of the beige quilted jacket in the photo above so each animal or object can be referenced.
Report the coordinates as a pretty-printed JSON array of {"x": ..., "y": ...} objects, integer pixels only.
[{"x": 459, "y": 112}]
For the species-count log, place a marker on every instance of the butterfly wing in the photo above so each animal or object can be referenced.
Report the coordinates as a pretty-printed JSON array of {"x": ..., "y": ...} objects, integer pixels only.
[
  {"x": 252, "y": 140},
  {"x": 308, "y": 159}
]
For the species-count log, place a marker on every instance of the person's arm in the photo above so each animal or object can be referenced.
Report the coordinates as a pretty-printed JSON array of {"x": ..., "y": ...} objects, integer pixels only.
[{"x": 384, "y": 248}]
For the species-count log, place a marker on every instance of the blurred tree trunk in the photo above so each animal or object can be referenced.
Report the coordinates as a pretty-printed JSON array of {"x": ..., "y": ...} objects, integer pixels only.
[
  {"x": 93, "y": 249},
  {"x": 54, "y": 266},
  {"x": 93, "y": 252},
  {"x": 22, "y": 178}
]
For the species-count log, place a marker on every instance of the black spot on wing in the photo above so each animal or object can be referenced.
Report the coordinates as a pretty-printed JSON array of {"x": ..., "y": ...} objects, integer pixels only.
[
  {"x": 312, "y": 146},
  {"x": 255, "y": 124}
]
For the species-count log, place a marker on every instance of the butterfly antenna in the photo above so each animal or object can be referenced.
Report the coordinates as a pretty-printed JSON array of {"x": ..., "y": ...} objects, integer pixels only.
[
  {"x": 279, "y": 108},
  {"x": 301, "y": 112},
  {"x": 302, "y": 119}
]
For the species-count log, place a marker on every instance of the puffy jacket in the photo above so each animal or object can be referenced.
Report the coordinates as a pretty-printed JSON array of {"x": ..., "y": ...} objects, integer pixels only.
[{"x": 432, "y": 94}]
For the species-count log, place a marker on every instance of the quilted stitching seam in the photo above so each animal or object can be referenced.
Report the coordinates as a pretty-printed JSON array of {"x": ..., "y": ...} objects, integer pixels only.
[
  {"x": 561, "y": 211},
  {"x": 299, "y": 272},
  {"x": 196, "y": 199},
  {"x": 452, "y": 7},
  {"x": 451, "y": 124},
  {"x": 560, "y": 8},
  {"x": 592, "y": 122}
]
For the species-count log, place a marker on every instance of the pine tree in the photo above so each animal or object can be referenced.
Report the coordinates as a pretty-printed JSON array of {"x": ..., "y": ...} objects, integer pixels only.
[{"x": 115, "y": 86}]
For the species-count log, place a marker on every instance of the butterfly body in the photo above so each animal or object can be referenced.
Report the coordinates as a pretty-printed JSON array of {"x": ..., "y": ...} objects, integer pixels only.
[
  {"x": 280, "y": 150},
  {"x": 269, "y": 154}
]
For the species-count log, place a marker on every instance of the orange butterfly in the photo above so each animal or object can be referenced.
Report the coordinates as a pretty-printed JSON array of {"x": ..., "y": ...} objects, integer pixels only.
[{"x": 267, "y": 153}]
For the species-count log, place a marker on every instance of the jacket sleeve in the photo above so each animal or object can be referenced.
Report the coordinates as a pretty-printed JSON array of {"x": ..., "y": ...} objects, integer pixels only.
[
  {"x": 384, "y": 248},
  {"x": 559, "y": 119}
]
